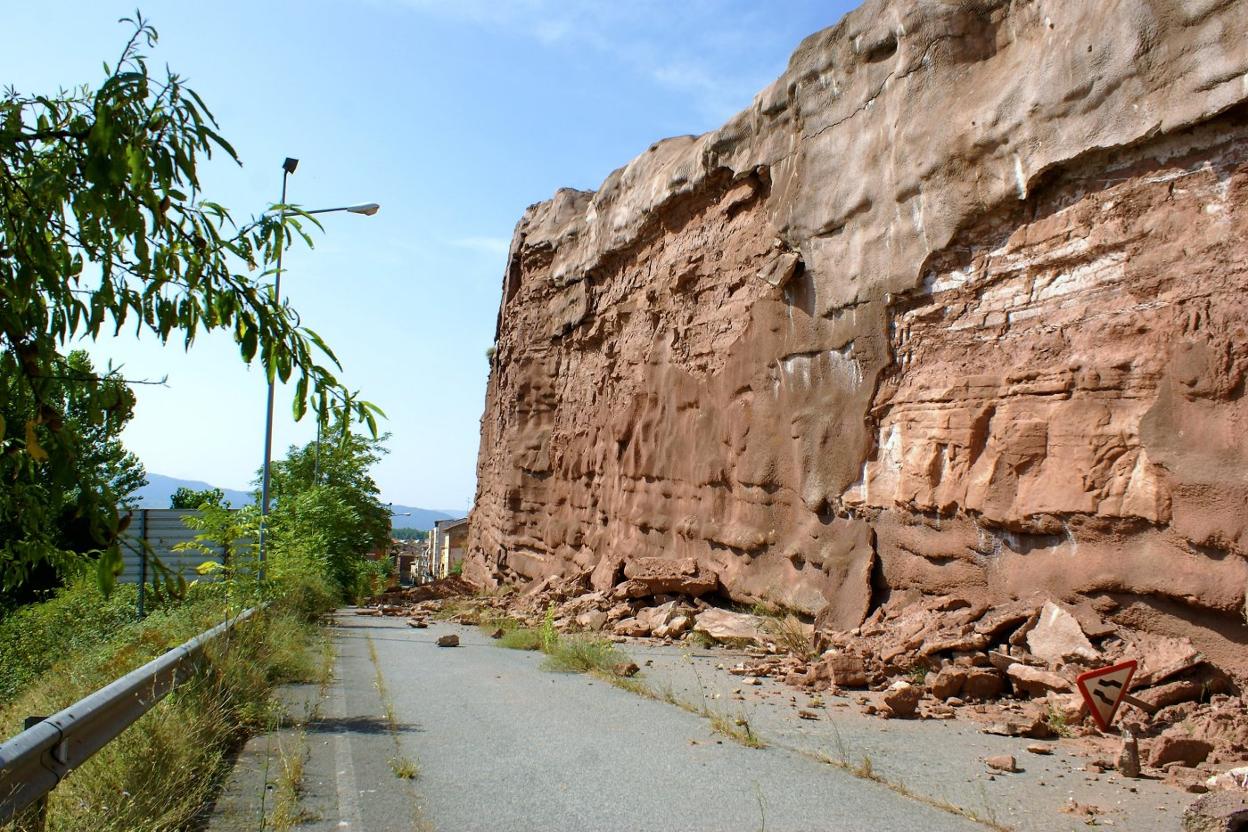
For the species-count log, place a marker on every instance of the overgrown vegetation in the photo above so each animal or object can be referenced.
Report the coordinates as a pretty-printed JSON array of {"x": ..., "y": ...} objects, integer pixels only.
[
  {"x": 161, "y": 771},
  {"x": 104, "y": 229}
]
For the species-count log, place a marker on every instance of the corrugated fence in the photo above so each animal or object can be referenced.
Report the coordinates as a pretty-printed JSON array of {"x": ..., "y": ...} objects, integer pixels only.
[{"x": 163, "y": 529}]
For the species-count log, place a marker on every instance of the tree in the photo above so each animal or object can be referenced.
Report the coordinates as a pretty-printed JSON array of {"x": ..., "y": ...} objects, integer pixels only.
[
  {"x": 191, "y": 498},
  {"x": 103, "y": 226},
  {"x": 93, "y": 413}
]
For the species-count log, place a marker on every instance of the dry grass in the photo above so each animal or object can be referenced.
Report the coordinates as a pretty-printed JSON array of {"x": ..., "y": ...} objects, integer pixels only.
[{"x": 160, "y": 773}]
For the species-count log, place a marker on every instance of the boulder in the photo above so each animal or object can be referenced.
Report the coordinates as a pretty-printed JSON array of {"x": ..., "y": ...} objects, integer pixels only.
[
  {"x": 675, "y": 628},
  {"x": 661, "y": 576},
  {"x": 1170, "y": 748},
  {"x": 842, "y": 670},
  {"x": 723, "y": 625},
  {"x": 983, "y": 683},
  {"x": 947, "y": 682},
  {"x": 1057, "y": 637},
  {"x": 591, "y": 620},
  {"x": 1171, "y": 693},
  {"x": 652, "y": 618},
  {"x": 631, "y": 627},
  {"x": 607, "y": 573},
  {"x": 1035, "y": 682},
  {"x": 1217, "y": 812},
  {"x": 902, "y": 698},
  {"x": 451, "y": 640}
]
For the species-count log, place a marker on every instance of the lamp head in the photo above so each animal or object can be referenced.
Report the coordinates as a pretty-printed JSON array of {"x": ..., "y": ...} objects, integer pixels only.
[
  {"x": 290, "y": 164},
  {"x": 367, "y": 209}
]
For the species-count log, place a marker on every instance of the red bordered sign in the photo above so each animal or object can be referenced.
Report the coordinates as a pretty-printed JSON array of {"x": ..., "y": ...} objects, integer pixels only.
[{"x": 1104, "y": 689}]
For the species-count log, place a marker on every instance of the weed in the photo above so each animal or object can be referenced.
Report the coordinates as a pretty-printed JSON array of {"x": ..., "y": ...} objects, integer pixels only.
[
  {"x": 702, "y": 640},
  {"x": 792, "y": 636},
  {"x": 286, "y": 812},
  {"x": 1057, "y": 722},
  {"x": 735, "y": 728},
  {"x": 583, "y": 655},
  {"x": 866, "y": 769},
  {"x": 404, "y": 768},
  {"x": 521, "y": 639},
  {"x": 549, "y": 635},
  {"x": 917, "y": 674}
]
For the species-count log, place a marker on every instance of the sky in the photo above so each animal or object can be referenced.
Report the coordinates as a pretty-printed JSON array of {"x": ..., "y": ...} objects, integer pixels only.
[{"x": 454, "y": 115}]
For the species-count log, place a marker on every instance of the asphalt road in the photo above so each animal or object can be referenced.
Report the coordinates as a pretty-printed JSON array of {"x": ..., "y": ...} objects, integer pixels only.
[{"x": 503, "y": 745}]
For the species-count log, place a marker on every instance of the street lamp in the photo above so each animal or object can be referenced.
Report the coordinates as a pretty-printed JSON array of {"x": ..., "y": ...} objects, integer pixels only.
[{"x": 367, "y": 210}]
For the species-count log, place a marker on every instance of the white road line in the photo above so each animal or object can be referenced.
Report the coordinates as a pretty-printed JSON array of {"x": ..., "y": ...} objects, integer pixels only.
[{"x": 348, "y": 795}]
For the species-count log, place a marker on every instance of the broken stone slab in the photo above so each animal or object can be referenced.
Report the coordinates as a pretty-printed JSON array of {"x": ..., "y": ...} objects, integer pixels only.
[
  {"x": 451, "y": 640},
  {"x": 1169, "y": 748},
  {"x": 1161, "y": 657},
  {"x": 1031, "y": 726},
  {"x": 842, "y": 670},
  {"x": 1057, "y": 637},
  {"x": 781, "y": 269},
  {"x": 1170, "y": 693},
  {"x": 652, "y": 618},
  {"x": 723, "y": 625},
  {"x": 947, "y": 641},
  {"x": 1217, "y": 812},
  {"x": 1036, "y": 682},
  {"x": 661, "y": 576},
  {"x": 1231, "y": 779},
  {"x": 996, "y": 623}
]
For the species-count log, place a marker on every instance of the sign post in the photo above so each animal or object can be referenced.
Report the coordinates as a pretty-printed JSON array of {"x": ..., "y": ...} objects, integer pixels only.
[{"x": 1105, "y": 688}]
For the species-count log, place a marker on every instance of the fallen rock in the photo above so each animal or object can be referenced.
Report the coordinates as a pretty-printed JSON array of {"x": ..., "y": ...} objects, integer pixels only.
[
  {"x": 498, "y": 633},
  {"x": 805, "y": 714},
  {"x": 1232, "y": 779},
  {"x": 418, "y": 623},
  {"x": 662, "y": 576},
  {"x": 723, "y": 625},
  {"x": 1057, "y": 637},
  {"x": 652, "y": 618},
  {"x": 842, "y": 670},
  {"x": 1188, "y": 779},
  {"x": 1128, "y": 762},
  {"x": 1162, "y": 657},
  {"x": 591, "y": 620},
  {"x": 1036, "y": 748},
  {"x": 997, "y": 622},
  {"x": 675, "y": 628},
  {"x": 1001, "y": 762},
  {"x": 625, "y": 669},
  {"x": 631, "y": 627},
  {"x": 1016, "y": 725},
  {"x": 451, "y": 640},
  {"x": 1169, "y": 748},
  {"x": 1171, "y": 693},
  {"x": 902, "y": 698},
  {"x": 946, "y": 682},
  {"x": 983, "y": 683},
  {"x": 1035, "y": 682},
  {"x": 1217, "y": 812}
]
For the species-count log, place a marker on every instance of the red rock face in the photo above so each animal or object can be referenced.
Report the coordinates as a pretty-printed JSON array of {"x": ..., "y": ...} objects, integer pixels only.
[{"x": 958, "y": 306}]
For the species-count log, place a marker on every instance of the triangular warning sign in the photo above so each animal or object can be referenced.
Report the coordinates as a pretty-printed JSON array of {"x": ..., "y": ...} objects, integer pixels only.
[{"x": 1103, "y": 689}]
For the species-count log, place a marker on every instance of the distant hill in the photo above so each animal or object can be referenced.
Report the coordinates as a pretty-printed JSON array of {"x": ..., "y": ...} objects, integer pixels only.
[{"x": 160, "y": 488}]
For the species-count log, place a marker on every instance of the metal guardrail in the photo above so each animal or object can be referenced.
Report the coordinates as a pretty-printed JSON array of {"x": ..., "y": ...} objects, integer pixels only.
[{"x": 36, "y": 760}]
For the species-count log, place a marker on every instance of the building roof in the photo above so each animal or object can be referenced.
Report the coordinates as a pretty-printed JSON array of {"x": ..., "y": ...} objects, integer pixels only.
[{"x": 444, "y": 525}]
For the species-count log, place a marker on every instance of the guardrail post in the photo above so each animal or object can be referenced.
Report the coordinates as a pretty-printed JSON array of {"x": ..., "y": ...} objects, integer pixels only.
[{"x": 34, "y": 818}]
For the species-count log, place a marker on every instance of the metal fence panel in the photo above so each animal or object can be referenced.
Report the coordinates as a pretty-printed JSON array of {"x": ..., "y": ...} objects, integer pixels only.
[{"x": 163, "y": 529}]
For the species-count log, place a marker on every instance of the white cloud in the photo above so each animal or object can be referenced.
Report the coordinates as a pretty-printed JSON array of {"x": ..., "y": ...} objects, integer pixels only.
[{"x": 698, "y": 48}]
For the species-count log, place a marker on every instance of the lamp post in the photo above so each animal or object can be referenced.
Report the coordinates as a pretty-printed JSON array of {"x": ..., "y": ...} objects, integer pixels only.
[{"x": 367, "y": 209}]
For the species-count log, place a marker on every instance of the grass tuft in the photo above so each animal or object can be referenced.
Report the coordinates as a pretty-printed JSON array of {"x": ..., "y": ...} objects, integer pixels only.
[
  {"x": 523, "y": 638},
  {"x": 404, "y": 768}
]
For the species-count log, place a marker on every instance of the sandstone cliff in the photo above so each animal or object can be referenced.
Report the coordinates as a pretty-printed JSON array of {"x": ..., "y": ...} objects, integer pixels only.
[{"x": 956, "y": 306}]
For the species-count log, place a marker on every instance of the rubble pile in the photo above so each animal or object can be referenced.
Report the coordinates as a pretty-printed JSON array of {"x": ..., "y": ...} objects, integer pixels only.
[{"x": 1010, "y": 668}]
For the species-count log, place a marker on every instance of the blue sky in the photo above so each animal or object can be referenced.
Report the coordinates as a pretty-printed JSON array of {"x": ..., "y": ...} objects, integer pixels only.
[{"x": 454, "y": 115}]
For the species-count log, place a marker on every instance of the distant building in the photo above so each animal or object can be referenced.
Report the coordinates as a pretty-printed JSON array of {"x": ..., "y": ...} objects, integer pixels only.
[{"x": 447, "y": 542}]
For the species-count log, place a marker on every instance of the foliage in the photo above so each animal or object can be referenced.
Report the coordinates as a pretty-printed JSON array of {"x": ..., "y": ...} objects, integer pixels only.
[
  {"x": 409, "y": 534},
  {"x": 103, "y": 226},
  {"x": 231, "y": 536},
  {"x": 52, "y": 513},
  {"x": 77, "y": 618},
  {"x": 159, "y": 774},
  {"x": 195, "y": 498}
]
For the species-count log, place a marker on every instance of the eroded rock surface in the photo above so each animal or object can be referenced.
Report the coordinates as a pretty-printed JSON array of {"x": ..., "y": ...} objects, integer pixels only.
[{"x": 957, "y": 305}]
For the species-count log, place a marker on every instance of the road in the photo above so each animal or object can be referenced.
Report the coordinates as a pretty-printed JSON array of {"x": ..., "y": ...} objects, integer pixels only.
[{"x": 503, "y": 745}]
